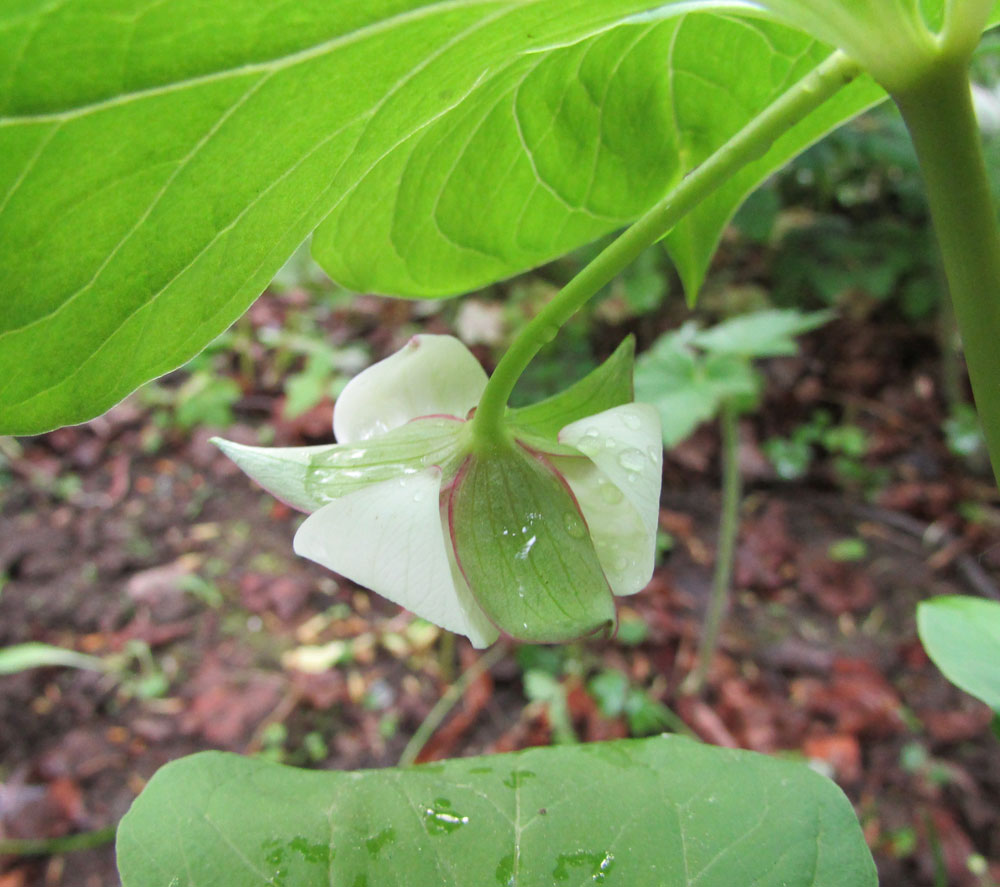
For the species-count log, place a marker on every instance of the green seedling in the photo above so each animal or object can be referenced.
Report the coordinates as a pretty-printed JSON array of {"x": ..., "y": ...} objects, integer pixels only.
[{"x": 692, "y": 376}]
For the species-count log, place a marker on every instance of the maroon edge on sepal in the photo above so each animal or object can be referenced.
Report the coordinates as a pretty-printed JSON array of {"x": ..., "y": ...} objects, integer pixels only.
[
  {"x": 449, "y": 491},
  {"x": 434, "y": 416},
  {"x": 452, "y": 487},
  {"x": 608, "y": 630}
]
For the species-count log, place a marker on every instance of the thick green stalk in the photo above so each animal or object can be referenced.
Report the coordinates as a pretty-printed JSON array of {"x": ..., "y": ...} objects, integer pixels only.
[
  {"x": 748, "y": 145},
  {"x": 938, "y": 112},
  {"x": 729, "y": 525}
]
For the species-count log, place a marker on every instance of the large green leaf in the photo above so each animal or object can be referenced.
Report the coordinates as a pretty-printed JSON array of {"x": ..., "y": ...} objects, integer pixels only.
[
  {"x": 962, "y": 635},
  {"x": 640, "y": 813},
  {"x": 158, "y": 164}
]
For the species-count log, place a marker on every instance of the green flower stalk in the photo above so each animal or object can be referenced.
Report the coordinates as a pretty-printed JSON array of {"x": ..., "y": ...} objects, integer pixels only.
[{"x": 529, "y": 532}]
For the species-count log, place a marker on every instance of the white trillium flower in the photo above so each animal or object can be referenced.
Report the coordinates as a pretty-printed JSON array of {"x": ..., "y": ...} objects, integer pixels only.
[{"x": 530, "y": 537}]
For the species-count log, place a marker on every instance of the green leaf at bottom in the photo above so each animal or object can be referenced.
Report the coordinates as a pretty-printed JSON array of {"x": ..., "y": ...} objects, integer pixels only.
[{"x": 641, "y": 813}]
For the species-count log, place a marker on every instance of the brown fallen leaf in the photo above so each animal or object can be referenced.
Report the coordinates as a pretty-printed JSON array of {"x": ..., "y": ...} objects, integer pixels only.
[{"x": 840, "y": 750}]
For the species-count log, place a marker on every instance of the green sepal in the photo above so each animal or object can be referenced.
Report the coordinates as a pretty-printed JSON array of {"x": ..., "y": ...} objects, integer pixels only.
[
  {"x": 610, "y": 385},
  {"x": 524, "y": 548},
  {"x": 761, "y": 333},
  {"x": 308, "y": 478}
]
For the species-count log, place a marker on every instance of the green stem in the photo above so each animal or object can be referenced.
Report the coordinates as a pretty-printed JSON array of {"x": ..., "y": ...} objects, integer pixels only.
[
  {"x": 447, "y": 702},
  {"x": 52, "y": 846},
  {"x": 748, "y": 145},
  {"x": 938, "y": 112},
  {"x": 952, "y": 368},
  {"x": 729, "y": 525}
]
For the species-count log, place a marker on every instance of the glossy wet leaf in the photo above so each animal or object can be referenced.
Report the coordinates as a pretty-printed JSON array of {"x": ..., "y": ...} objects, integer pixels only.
[
  {"x": 962, "y": 636},
  {"x": 159, "y": 164},
  {"x": 524, "y": 549},
  {"x": 644, "y": 813}
]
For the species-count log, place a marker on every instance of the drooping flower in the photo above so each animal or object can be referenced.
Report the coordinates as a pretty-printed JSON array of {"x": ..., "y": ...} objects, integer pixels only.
[{"x": 530, "y": 534}]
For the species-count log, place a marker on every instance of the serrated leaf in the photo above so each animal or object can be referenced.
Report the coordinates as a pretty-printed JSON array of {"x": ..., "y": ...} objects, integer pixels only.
[
  {"x": 640, "y": 813},
  {"x": 962, "y": 636},
  {"x": 524, "y": 549},
  {"x": 308, "y": 478},
  {"x": 610, "y": 385}
]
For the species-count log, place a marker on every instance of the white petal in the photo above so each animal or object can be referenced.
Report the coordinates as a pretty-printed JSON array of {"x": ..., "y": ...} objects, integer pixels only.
[
  {"x": 388, "y": 537},
  {"x": 624, "y": 548},
  {"x": 625, "y": 444},
  {"x": 430, "y": 375}
]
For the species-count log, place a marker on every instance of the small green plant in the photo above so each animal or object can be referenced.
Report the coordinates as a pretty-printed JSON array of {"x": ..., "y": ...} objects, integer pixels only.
[
  {"x": 617, "y": 697},
  {"x": 134, "y": 670},
  {"x": 964, "y": 435},
  {"x": 204, "y": 399},
  {"x": 693, "y": 375},
  {"x": 845, "y": 444}
]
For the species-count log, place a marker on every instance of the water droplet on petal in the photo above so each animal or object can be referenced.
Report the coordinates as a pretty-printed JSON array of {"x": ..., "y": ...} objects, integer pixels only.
[
  {"x": 610, "y": 493},
  {"x": 632, "y": 459},
  {"x": 632, "y": 421},
  {"x": 653, "y": 453}
]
